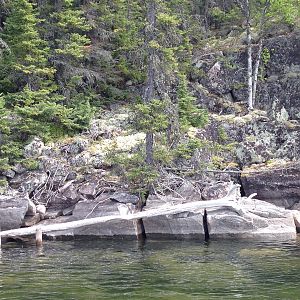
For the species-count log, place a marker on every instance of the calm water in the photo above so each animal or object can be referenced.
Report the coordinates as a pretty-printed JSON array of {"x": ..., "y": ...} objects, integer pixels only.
[{"x": 157, "y": 270}]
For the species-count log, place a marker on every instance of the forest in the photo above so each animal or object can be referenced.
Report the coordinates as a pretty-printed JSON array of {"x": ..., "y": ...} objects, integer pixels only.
[{"x": 65, "y": 62}]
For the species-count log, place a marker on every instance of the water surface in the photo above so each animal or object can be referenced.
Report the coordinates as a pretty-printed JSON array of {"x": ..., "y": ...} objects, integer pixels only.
[{"x": 109, "y": 269}]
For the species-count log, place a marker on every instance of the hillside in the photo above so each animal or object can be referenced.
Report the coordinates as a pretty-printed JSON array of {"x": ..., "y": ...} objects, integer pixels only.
[{"x": 169, "y": 98}]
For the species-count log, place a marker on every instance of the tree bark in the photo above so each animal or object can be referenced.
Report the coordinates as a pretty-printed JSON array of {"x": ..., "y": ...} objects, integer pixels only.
[
  {"x": 249, "y": 56},
  {"x": 255, "y": 71},
  {"x": 149, "y": 87},
  {"x": 260, "y": 48}
]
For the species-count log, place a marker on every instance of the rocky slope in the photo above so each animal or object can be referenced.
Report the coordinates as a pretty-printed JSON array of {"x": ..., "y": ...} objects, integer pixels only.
[{"x": 74, "y": 175}]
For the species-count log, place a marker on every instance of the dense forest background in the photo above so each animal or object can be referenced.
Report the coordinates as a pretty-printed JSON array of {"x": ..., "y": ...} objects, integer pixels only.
[{"x": 64, "y": 62}]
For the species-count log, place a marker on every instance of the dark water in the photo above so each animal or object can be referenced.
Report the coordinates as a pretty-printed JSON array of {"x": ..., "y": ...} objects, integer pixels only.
[{"x": 158, "y": 270}]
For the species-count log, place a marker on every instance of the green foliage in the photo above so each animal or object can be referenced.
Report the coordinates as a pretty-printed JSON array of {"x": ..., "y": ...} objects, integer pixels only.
[
  {"x": 223, "y": 137},
  {"x": 134, "y": 171},
  {"x": 71, "y": 28},
  {"x": 186, "y": 149},
  {"x": 151, "y": 117},
  {"x": 285, "y": 10},
  {"x": 189, "y": 113},
  {"x": 30, "y": 102},
  {"x": 4, "y": 164},
  {"x": 265, "y": 56},
  {"x": 220, "y": 16},
  {"x": 74, "y": 46},
  {"x": 3, "y": 183},
  {"x": 30, "y": 164}
]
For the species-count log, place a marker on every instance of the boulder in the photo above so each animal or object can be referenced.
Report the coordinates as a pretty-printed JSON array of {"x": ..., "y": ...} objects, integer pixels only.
[
  {"x": 13, "y": 208},
  {"x": 188, "y": 191},
  {"x": 124, "y": 198},
  {"x": 71, "y": 193},
  {"x": 187, "y": 225},
  {"x": 41, "y": 209},
  {"x": 60, "y": 202},
  {"x": 9, "y": 173},
  {"x": 256, "y": 219},
  {"x": 216, "y": 191},
  {"x": 80, "y": 160},
  {"x": 278, "y": 184},
  {"x": 259, "y": 220},
  {"x": 31, "y": 220},
  {"x": 28, "y": 181},
  {"x": 31, "y": 209},
  {"x": 35, "y": 148},
  {"x": 18, "y": 168},
  {"x": 101, "y": 206},
  {"x": 75, "y": 147},
  {"x": 89, "y": 190}
]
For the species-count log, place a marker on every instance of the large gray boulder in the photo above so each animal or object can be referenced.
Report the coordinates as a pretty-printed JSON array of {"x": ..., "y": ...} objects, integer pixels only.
[
  {"x": 259, "y": 220},
  {"x": 186, "y": 224},
  {"x": 124, "y": 198},
  {"x": 256, "y": 219},
  {"x": 13, "y": 208},
  {"x": 99, "y": 207}
]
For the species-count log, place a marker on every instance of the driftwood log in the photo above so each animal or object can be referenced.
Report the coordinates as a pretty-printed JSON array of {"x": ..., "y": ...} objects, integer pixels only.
[
  {"x": 167, "y": 209},
  {"x": 126, "y": 212}
]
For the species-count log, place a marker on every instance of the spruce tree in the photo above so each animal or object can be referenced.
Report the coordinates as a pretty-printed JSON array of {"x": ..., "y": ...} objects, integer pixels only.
[{"x": 27, "y": 83}]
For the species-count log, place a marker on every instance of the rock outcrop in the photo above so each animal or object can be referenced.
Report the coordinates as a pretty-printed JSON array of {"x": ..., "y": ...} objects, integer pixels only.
[
  {"x": 101, "y": 206},
  {"x": 278, "y": 92},
  {"x": 278, "y": 184},
  {"x": 258, "y": 219},
  {"x": 13, "y": 208}
]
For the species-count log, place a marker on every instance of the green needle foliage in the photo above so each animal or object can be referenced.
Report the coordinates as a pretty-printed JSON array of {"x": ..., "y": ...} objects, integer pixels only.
[{"x": 31, "y": 104}]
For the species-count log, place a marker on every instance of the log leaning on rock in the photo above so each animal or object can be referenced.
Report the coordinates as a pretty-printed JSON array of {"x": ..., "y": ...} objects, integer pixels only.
[{"x": 197, "y": 206}]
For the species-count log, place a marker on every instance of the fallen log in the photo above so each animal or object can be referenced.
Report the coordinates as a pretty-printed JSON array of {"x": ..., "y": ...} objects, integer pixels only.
[{"x": 167, "y": 209}]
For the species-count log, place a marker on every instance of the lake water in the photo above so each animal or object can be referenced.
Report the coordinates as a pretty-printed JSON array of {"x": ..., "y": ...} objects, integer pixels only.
[{"x": 104, "y": 269}]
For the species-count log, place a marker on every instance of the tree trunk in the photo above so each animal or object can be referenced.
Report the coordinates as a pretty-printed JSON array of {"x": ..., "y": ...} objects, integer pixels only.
[
  {"x": 255, "y": 71},
  {"x": 149, "y": 88},
  {"x": 249, "y": 54},
  {"x": 149, "y": 148},
  {"x": 260, "y": 48}
]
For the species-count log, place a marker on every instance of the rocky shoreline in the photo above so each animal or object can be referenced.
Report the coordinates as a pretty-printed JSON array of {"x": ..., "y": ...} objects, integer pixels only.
[
  {"x": 74, "y": 181},
  {"x": 260, "y": 219}
]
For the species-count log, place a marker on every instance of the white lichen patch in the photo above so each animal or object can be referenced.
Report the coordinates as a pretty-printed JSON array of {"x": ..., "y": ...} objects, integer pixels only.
[{"x": 119, "y": 143}]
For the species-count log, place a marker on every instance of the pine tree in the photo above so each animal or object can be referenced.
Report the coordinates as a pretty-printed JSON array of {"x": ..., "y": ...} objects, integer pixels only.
[{"x": 30, "y": 93}]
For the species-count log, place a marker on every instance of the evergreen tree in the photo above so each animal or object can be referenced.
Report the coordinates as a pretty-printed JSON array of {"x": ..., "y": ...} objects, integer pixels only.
[{"x": 30, "y": 94}]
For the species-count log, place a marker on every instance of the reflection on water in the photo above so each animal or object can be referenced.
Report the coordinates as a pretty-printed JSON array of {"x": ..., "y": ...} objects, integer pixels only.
[{"x": 107, "y": 269}]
